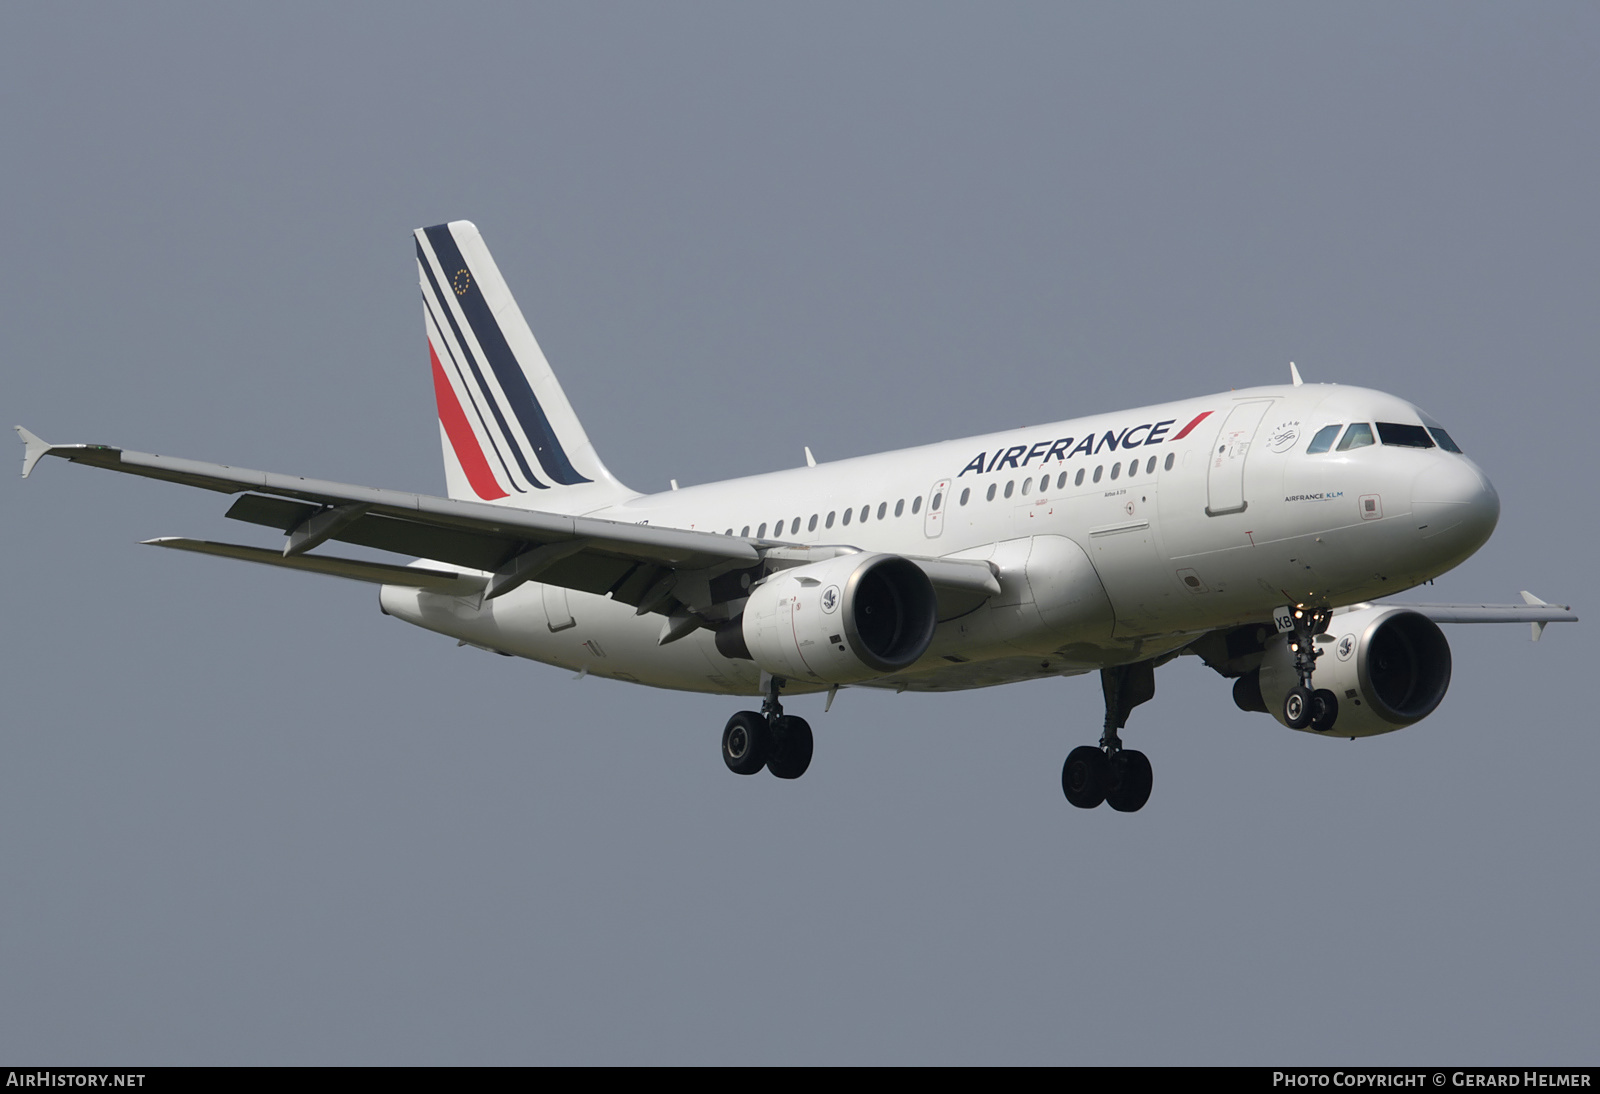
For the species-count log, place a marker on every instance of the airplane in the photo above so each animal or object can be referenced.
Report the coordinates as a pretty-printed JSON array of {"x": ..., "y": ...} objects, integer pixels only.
[{"x": 1253, "y": 528}]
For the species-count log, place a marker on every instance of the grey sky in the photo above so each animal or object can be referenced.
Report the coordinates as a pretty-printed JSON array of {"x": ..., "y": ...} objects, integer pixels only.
[{"x": 246, "y": 819}]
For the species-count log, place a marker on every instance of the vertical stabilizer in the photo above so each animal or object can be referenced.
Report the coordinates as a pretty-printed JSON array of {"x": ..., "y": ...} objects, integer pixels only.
[{"x": 509, "y": 435}]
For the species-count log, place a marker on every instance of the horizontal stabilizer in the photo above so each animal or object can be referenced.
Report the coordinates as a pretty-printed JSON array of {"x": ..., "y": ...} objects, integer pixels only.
[{"x": 441, "y": 581}]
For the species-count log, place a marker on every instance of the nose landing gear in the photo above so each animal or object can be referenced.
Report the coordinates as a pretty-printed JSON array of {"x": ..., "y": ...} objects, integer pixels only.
[
  {"x": 1110, "y": 773},
  {"x": 772, "y": 739},
  {"x": 1304, "y": 706}
]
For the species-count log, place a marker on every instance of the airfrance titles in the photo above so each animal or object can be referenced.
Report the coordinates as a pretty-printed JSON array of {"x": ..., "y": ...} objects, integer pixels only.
[{"x": 1064, "y": 448}]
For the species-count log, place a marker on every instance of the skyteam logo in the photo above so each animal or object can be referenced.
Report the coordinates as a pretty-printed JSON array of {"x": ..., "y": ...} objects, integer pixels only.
[
  {"x": 1346, "y": 647},
  {"x": 830, "y": 599}
]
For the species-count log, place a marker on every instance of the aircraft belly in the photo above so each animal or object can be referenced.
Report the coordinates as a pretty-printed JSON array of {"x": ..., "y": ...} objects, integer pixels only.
[{"x": 591, "y": 633}]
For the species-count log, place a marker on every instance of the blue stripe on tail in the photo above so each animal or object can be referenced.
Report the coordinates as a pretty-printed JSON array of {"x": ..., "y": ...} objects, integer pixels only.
[
  {"x": 443, "y": 309},
  {"x": 507, "y": 370}
]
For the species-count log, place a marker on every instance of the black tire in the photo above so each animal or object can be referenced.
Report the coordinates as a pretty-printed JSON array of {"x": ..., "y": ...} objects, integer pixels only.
[
  {"x": 1084, "y": 777},
  {"x": 1324, "y": 710},
  {"x": 1133, "y": 787},
  {"x": 745, "y": 743},
  {"x": 1297, "y": 707},
  {"x": 791, "y": 748}
]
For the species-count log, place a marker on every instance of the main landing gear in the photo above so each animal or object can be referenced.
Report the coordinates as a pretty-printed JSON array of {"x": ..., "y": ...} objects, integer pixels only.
[
  {"x": 772, "y": 739},
  {"x": 1118, "y": 776},
  {"x": 1304, "y": 706}
]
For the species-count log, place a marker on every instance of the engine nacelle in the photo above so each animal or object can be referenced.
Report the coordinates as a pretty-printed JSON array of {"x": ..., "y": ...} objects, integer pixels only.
[
  {"x": 1388, "y": 668},
  {"x": 848, "y": 619}
]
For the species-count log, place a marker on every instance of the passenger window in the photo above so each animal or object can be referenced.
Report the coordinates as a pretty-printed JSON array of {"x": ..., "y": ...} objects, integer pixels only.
[
  {"x": 1170, "y": 457},
  {"x": 1357, "y": 436},
  {"x": 848, "y": 513},
  {"x": 1323, "y": 440},
  {"x": 811, "y": 527},
  {"x": 1444, "y": 439},
  {"x": 1044, "y": 483},
  {"x": 965, "y": 494},
  {"x": 900, "y": 507},
  {"x": 1116, "y": 469},
  {"x": 1097, "y": 472},
  {"x": 865, "y": 509},
  {"x": 937, "y": 498},
  {"x": 883, "y": 507},
  {"x": 729, "y": 532},
  {"x": 916, "y": 504},
  {"x": 829, "y": 522},
  {"x": 761, "y": 533},
  {"x": 745, "y": 531},
  {"x": 1010, "y": 486},
  {"x": 1150, "y": 467},
  {"x": 1079, "y": 480},
  {"x": 1061, "y": 481},
  {"x": 794, "y": 529},
  {"x": 1027, "y": 487},
  {"x": 990, "y": 495},
  {"x": 1401, "y": 435},
  {"x": 1133, "y": 468}
]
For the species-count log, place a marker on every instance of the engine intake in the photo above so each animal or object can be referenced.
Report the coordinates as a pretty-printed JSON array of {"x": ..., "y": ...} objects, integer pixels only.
[
  {"x": 1388, "y": 668},
  {"x": 840, "y": 621}
]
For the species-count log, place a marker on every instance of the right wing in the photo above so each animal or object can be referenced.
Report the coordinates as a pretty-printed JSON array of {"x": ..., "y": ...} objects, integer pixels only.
[{"x": 1531, "y": 610}]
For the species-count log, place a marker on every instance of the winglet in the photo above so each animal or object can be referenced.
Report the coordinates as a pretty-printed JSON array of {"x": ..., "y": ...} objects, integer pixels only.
[
  {"x": 34, "y": 449},
  {"x": 1294, "y": 374}
]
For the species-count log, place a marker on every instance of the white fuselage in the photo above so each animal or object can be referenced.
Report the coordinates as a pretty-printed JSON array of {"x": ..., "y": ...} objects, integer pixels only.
[{"x": 1116, "y": 537}]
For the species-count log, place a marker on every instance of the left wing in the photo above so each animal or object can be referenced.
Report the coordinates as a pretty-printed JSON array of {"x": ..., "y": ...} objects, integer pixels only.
[{"x": 652, "y": 568}]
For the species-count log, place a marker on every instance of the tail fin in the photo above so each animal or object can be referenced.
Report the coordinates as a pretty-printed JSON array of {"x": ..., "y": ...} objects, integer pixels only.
[{"x": 508, "y": 432}]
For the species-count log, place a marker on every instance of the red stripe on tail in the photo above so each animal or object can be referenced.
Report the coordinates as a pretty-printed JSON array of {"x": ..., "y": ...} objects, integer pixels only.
[{"x": 468, "y": 452}]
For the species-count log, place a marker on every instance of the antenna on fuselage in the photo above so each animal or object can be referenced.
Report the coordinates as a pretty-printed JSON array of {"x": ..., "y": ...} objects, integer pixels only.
[{"x": 1294, "y": 374}]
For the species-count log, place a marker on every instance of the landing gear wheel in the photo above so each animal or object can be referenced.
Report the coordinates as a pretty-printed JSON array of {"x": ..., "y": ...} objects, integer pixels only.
[
  {"x": 1133, "y": 788},
  {"x": 1324, "y": 710},
  {"x": 791, "y": 747},
  {"x": 1084, "y": 777},
  {"x": 745, "y": 743},
  {"x": 1297, "y": 707}
]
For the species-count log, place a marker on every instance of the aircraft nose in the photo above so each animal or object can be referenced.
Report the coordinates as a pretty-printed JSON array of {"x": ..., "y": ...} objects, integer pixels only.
[{"x": 1454, "y": 500}]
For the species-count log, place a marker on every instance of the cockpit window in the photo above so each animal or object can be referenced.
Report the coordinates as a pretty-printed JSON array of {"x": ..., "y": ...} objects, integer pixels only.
[
  {"x": 1324, "y": 439},
  {"x": 1404, "y": 436},
  {"x": 1357, "y": 436},
  {"x": 1444, "y": 440}
]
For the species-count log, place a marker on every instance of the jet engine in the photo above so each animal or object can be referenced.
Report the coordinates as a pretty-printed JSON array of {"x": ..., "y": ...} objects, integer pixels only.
[
  {"x": 847, "y": 619},
  {"x": 1386, "y": 667}
]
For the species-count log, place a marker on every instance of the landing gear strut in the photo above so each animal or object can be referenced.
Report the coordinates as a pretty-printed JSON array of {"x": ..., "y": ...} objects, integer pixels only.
[
  {"x": 772, "y": 739},
  {"x": 1304, "y": 706},
  {"x": 1112, "y": 774}
]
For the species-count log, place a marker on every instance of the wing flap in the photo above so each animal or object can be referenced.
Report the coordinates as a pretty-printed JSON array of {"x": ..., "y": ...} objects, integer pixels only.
[{"x": 378, "y": 573}]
